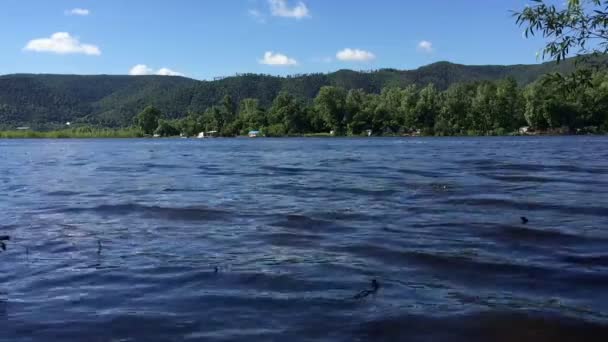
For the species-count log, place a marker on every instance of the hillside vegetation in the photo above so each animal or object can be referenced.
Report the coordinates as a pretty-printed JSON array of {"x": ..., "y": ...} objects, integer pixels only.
[{"x": 48, "y": 101}]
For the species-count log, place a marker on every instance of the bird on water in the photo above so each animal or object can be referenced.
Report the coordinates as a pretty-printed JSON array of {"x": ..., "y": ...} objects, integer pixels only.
[
  {"x": 365, "y": 293},
  {"x": 524, "y": 220}
]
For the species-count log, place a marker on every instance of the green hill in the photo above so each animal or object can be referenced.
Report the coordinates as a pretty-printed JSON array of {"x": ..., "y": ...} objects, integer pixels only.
[{"x": 47, "y": 100}]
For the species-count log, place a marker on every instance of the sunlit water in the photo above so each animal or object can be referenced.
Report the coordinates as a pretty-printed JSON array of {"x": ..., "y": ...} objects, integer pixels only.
[{"x": 120, "y": 239}]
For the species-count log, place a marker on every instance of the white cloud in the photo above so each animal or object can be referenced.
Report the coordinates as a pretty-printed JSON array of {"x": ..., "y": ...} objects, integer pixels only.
[
  {"x": 78, "y": 11},
  {"x": 142, "y": 70},
  {"x": 277, "y": 59},
  {"x": 62, "y": 43},
  {"x": 168, "y": 72},
  {"x": 425, "y": 46},
  {"x": 355, "y": 55},
  {"x": 279, "y": 8}
]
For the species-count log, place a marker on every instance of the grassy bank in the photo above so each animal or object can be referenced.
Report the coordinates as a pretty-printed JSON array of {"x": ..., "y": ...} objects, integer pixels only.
[{"x": 72, "y": 134}]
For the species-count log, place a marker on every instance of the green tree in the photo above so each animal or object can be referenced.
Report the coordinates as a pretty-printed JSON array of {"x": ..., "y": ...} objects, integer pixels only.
[
  {"x": 192, "y": 124},
  {"x": 147, "y": 120},
  {"x": 212, "y": 119},
  {"x": 457, "y": 105},
  {"x": 315, "y": 120},
  {"x": 597, "y": 102},
  {"x": 166, "y": 129},
  {"x": 388, "y": 115},
  {"x": 357, "y": 118},
  {"x": 535, "y": 106},
  {"x": 228, "y": 109},
  {"x": 427, "y": 108},
  {"x": 483, "y": 111},
  {"x": 408, "y": 107},
  {"x": 288, "y": 111},
  {"x": 252, "y": 115},
  {"x": 509, "y": 108},
  {"x": 331, "y": 105}
]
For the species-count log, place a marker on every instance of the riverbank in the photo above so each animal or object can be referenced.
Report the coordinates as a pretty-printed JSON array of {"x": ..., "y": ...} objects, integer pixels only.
[
  {"x": 135, "y": 133},
  {"x": 72, "y": 133}
]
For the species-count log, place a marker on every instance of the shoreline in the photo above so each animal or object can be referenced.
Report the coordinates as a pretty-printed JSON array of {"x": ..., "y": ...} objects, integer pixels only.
[{"x": 53, "y": 136}]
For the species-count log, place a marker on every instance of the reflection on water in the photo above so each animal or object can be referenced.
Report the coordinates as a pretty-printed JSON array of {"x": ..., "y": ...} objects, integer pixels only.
[{"x": 269, "y": 239}]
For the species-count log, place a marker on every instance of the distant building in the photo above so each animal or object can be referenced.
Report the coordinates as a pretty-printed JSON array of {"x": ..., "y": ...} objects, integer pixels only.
[
  {"x": 254, "y": 134},
  {"x": 524, "y": 130}
]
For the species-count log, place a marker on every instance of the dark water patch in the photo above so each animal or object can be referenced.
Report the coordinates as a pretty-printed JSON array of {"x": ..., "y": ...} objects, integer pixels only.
[
  {"x": 306, "y": 223},
  {"x": 284, "y": 170},
  {"x": 347, "y": 214},
  {"x": 530, "y": 206},
  {"x": 217, "y": 172},
  {"x": 127, "y": 327},
  {"x": 518, "y": 179},
  {"x": 476, "y": 270},
  {"x": 368, "y": 192},
  {"x": 16, "y": 188},
  {"x": 441, "y": 225},
  {"x": 356, "y": 191},
  {"x": 385, "y": 254},
  {"x": 162, "y": 166},
  {"x": 592, "y": 260},
  {"x": 62, "y": 193},
  {"x": 330, "y": 161},
  {"x": 493, "y": 165},
  {"x": 156, "y": 212},
  {"x": 464, "y": 268},
  {"x": 119, "y": 169},
  {"x": 436, "y": 189},
  {"x": 293, "y": 239},
  {"x": 422, "y": 209},
  {"x": 466, "y": 264},
  {"x": 281, "y": 283},
  {"x": 180, "y": 190},
  {"x": 58, "y": 246},
  {"x": 536, "y": 235},
  {"x": 210, "y": 167},
  {"x": 484, "y": 326},
  {"x": 422, "y": 173}
]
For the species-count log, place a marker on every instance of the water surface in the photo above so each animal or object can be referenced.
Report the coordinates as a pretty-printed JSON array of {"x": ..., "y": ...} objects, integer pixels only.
[{"x": 120, "y": 239}]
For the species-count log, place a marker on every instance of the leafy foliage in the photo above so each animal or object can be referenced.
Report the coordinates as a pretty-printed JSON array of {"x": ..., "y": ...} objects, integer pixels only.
[
  {"x": 581, "y": 24},
  {"x": 553, "y": 103},
  {"x": 47, "y": 102},
  {"x": 148, "y": 119}
]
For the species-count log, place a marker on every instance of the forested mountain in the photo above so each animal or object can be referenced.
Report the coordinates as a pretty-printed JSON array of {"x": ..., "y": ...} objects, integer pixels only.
[{"x": 45, "y": 100}]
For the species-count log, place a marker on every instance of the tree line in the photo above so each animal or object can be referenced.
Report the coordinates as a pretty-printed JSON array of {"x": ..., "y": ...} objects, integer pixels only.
[{"x": 568, "y": 104}]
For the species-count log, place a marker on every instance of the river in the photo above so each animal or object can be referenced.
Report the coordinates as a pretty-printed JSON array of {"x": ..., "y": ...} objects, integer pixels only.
[{"x": 271, "y": 239}]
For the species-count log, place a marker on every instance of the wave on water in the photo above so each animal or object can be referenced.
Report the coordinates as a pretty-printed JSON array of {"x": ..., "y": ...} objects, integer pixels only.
[{"x": 195, "y": 213}]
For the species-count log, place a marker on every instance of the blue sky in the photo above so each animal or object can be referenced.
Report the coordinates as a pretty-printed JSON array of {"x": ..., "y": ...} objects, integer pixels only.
[{"x": 203, "y": 39}]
